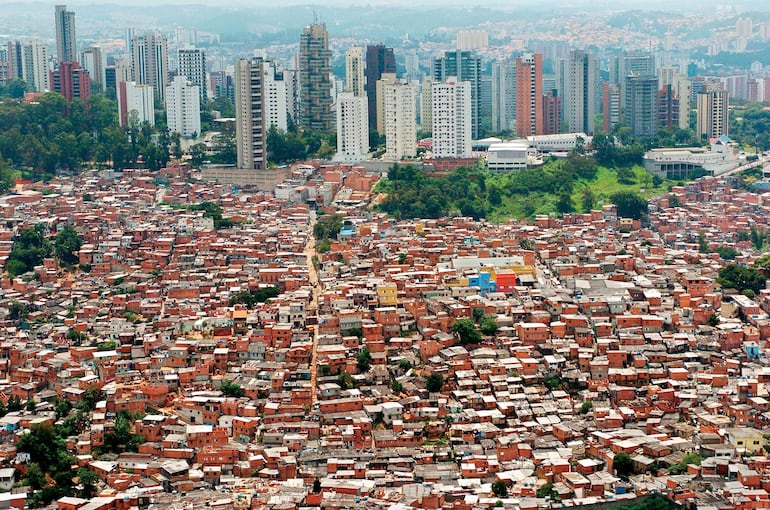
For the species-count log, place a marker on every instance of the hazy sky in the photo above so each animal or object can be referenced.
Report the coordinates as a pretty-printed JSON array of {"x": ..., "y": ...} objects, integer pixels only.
[{"x": 614, "y": 4}]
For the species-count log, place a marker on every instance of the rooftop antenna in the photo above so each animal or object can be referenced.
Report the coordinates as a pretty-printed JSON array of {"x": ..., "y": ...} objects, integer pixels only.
[{"x": 315, "y": 17}]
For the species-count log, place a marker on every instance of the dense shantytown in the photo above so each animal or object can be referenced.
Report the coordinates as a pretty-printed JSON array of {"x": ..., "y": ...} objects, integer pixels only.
[{"x": 426, "y": 363}]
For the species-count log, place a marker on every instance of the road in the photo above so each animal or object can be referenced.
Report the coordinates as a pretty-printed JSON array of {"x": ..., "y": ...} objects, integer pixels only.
[
  {"x": 313, "y": 307},
  {"x": 760, "y": 162}
]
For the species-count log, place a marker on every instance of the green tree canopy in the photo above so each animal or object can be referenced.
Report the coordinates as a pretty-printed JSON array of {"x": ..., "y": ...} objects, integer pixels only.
[
  {"x": 67, "y": 244},
  {"x": 741, "y": 278},
  {"x": 466, "y": 330},
  {"x": 629, "y": 204},
  {"x": 623, "y": 464},
  {"x": 434, "y": 382}
]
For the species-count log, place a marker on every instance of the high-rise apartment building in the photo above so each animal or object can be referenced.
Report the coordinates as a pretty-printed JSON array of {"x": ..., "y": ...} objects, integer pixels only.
[
  {"x": 426, "y": 105},
  {"x": 551, "y": 112},
  {"x": 400, "y": 120},
  {"x": 183, "y": 108},
  {"x": 503, "y": 96},
  {"x": 135, "y": 101},
  {"x": 681, "y": 88},
  {"x": 452, "y": 134},
  {"x": 712, "y": 113},
  {"x": 250, "y": 129},
  {"x": 640, "y": 108},
  {"x": 385, "y": 79},
  {"x": 66, "y": 44},
  {"x": 71, "y": 81},
  {"x": 275, "y": 96},
  {"x": 116, "y": 74},
  {"x": 315, "y": 75},
  {"x": 354, "y": 71},
  {"x": 668, "y": 107},
  {"x": 379, "y": 60},
  {"x": 611, "y": 106},
  {"x": 640, "y": 64},
  {"x": 529, "y": 94},
  {"x": 352, "y": 128},
  {"x": 412, "y": 65},
  {"x": 579, "y": 93},
  {"x": 94, "y": 62},
  {"x": 472, "y": 39},
  {"x": 191, "y": 63},
  {"x": 463, "y": 66},
  {"x": 28, "y": 61},
  {"x": 149, "y": 62}
]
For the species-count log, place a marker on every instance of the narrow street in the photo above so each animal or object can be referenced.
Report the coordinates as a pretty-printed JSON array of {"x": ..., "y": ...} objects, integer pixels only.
[{"x": 313, "y": 307}]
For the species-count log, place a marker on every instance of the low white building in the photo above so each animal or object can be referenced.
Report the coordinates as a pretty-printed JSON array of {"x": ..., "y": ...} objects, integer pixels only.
[
  {"x": 561, "y": 142},
  {"x": 720, "y": 157},
  {"x": 507, "y": 156}
]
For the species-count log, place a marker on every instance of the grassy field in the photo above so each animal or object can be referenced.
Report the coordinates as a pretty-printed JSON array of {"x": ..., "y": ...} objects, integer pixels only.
[{"x": 602, "y": 186}]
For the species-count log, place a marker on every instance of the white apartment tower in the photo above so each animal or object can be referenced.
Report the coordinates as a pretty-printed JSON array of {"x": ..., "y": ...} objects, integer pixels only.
[
  {"x": 135, "y": 101},
  {"x": 183, "y": 108},
  {"x": 66, "y": 44},
  {"x": 28, "y": 61},
  {"x": 400, "y": 120},
  {"x": 385, "y": 80},
  {"x": 503, "y": 96},
  {"x": 580, "y": 92},
  {"x": 250, "y": 128},
  {"x": 354, "y": 71},
  {"x": 191, "y": 63},
  {"x": 452, "y": 119},
  {"x": 352, "y": 127},
  {"x": 276, "y": 96}
]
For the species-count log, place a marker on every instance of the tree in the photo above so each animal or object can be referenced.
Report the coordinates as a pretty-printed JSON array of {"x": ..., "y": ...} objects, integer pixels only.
[
  {"x": 681, "y": 466},
  {"x": 17, "y": 311},
  {"x": 14, "y": 404},
  {"x": 586, "y": 406},
  {"x": 121, "y": 439},
  {"x": 316, "y": 486},
  {"x": 345, "y": 381},
  {"x": 564, "y": 205},
  {"x": 30, "y": 405},
  {"x": 499, "y": 489},
  {"x": 547, "y": 491},
  {"x": 404, "y": 364},
  {"x": 713, "y": 320},
  {"x": 741, "y": 278},
  {"x": 623, "y": 465},
  {"x": 703, "y": 244},
  {"x": 552, "y": 382},
  {"x": 231, "y": 389},
  {"x": 625, "y": 175},
  {"x": 67, "y": 244},
  {"x": 29, "y": 249},
  {"x": 88, "y": 480},
  {"x": 488, "y": 326},
  {"x": 363, "y": 360},
  {"x": 396, "y": 386},
  {"x": 6, "y": 176},
  {"x": 328, "y": 226},
  {"x": 629, "y": 204},
  {"x": 35, "y": 476},
  {"x": 434, "y": 382},
  {"x": 251, "y": 298},
  {"x": 466, "y": 330},
  {"x": 587, "y": 198}
]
